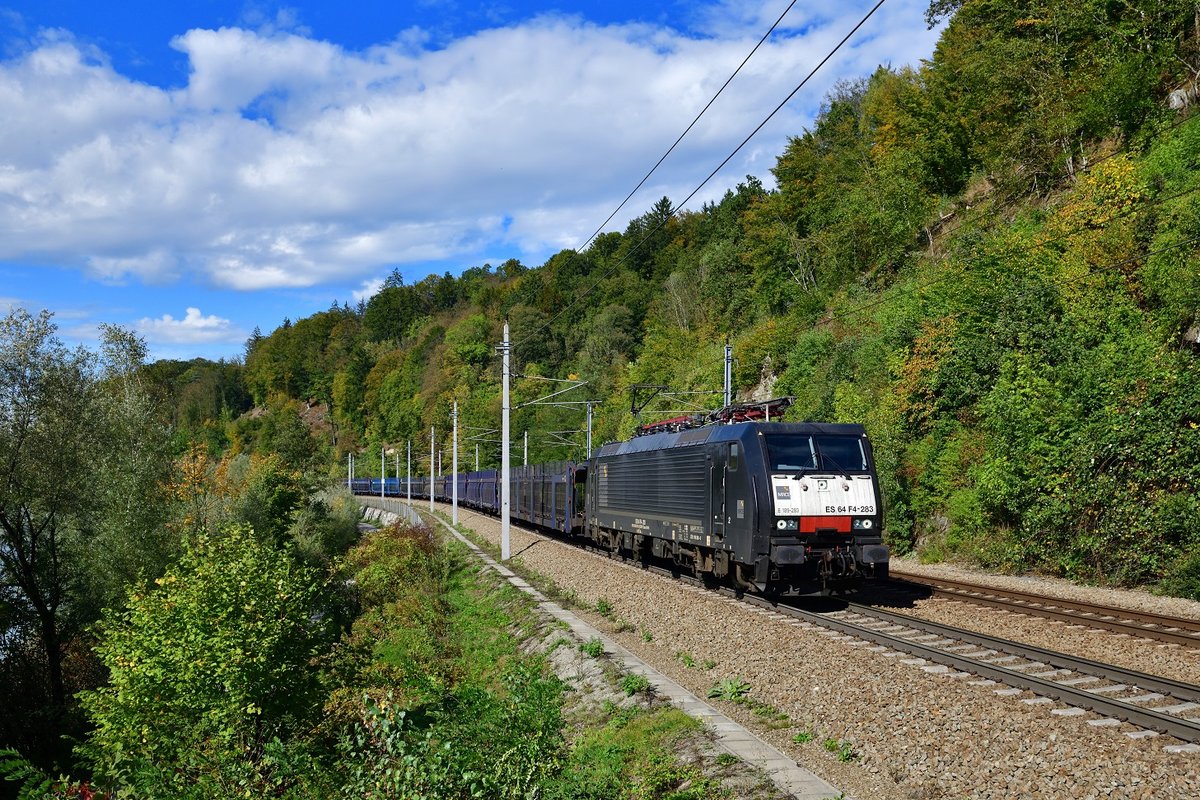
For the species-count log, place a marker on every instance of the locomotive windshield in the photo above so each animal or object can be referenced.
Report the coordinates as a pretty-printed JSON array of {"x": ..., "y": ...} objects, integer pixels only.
[{"x": 791, "y": 452}]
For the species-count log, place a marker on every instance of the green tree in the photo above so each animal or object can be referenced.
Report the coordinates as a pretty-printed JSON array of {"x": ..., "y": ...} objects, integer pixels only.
[
  {"x": 50, "y": 423},
  {"x": 124, "y": 537},
  {"x": 211, "y": 680}
]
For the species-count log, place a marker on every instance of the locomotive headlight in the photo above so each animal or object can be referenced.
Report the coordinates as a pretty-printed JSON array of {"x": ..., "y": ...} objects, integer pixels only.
[
  {"x": 781, "y": 524},
  {"x": 786, "y": 524},
  {"x": 863, "y": 524}
]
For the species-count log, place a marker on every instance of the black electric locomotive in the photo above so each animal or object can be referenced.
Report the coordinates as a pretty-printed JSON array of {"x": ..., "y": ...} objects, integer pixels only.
[
  {"x": 777, "y": 508},
  {"x": 781, "y": 508}
]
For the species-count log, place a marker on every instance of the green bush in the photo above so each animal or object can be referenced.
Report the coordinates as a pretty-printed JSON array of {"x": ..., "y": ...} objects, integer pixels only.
[
  {"x": 210, "y": 674},
  {"x": 1183, "y": 577},
  {"x": 593, "y": 648},
  {"x": 633, "y": 684}
]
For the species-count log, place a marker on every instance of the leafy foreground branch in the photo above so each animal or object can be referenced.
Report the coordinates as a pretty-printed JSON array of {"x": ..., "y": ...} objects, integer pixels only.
[{"x": 228, "y": 679}]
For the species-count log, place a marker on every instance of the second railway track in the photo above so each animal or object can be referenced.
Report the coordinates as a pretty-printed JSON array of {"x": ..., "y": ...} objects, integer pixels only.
[
  {"x": 1141, "y": 624},
  {"x": 1152, "y": 704},
  {"x": 1149, "y": 702}
]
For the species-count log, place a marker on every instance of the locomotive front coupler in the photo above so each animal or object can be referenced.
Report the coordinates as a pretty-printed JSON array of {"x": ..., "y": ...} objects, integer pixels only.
[{"x": 837, "y": 564}]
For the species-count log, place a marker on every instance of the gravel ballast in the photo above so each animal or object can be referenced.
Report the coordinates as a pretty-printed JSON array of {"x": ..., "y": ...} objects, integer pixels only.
[
  {"x": 1177, "y": 662},
  {"x": 907, "y": 734}
]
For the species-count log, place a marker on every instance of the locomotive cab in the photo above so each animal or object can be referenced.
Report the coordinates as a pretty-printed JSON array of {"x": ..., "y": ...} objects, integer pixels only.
[{"x": 826, "y": 522}]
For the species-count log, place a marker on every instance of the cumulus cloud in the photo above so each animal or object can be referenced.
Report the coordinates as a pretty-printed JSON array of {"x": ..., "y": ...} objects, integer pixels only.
[
  {"x": 194, "y": 328},
  {"x": 290, "y": 162},
  {"x": 369, "y": 289}
]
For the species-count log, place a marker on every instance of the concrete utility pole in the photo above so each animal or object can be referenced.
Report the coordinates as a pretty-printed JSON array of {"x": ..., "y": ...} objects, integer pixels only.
[
  {"x": 432, "y": 469},
  {"x": 410, "y": 471},
  {"x": 477, "y": 458},
  {"x": 454, "y": 469},
  {"x": 728, "y": 374},
  {"x": 525, "y": 451},
  {"x": 382, "y": 468},
  {"x": 504, "y": 487},
  {"x": 588, "y": 454},
  {"x": 349, "y": 472}
]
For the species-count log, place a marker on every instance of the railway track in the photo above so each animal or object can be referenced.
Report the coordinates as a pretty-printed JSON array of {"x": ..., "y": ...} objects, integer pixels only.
[
  {"x": 1152, "y": 705},
  {"x": 1141, "y": 624}
]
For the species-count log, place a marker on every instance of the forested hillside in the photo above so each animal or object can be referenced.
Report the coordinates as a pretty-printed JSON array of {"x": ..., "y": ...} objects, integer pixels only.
[{"x": 989, "y": 260}]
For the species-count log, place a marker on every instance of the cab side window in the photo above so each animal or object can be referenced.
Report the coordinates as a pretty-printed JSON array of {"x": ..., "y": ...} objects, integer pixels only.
[{"x": 733, "y": 457}]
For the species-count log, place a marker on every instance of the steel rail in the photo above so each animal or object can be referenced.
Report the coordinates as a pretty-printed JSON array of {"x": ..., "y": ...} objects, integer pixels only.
[
  {"x": 1141, "y": 624},
  {"x": 1146, "y": 718},
  {"x": 1053, "y": 658},
  {"x": 1149, "y": 719}
]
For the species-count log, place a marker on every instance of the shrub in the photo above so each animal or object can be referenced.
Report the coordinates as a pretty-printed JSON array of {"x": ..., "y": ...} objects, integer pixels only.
[
  {"x": 633, "y": 684},
  {"x": 1183, "y": 577},
  {"x": 592, "y": 647},
  {"x": 210, "y": 674},
  {"x": 732, "y": 689}
]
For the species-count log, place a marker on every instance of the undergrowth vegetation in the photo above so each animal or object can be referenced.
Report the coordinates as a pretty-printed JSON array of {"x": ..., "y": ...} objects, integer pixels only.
[{"x": 228, "y": 677}]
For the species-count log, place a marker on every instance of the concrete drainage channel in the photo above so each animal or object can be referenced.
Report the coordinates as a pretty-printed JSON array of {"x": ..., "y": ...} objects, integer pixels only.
[{"x": 730, "y": 736}]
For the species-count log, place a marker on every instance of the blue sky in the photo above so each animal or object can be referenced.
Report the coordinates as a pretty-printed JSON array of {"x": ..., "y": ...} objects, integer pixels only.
[{"x": 193, "y": 169}]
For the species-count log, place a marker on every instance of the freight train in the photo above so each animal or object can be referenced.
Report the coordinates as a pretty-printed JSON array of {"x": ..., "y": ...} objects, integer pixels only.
[{"x": 777, "y": 508}]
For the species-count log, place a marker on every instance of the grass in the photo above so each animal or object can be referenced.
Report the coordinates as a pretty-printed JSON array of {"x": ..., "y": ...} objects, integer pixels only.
[
  {"x": 632, "y": 756},
  {"x": 730, "y": 689},
  {"x": 736, "y": 690},
  {"x": 447, "y": 643},
  {"x": 633, "y": 684},
  {"x": 592, "y": 647},
  {"x": 772, "y": 716},
  {"x": 841, "y": 748}
]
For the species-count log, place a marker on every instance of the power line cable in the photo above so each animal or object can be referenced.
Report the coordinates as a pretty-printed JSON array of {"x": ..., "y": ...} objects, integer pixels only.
[
  {"x": 671, "y": 149},
  {"x": 607, "y": 273},
  {"x": 959, "y": 271}
]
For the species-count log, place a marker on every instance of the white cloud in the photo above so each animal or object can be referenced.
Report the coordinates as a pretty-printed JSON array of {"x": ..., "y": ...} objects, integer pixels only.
[
  {"x": 369, "y": 289},
  {"x": 290, "y": 162},
  {"x": 194, "y": 328}
]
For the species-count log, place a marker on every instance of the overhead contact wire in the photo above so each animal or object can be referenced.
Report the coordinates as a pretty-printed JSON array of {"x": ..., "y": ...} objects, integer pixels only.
[
  {"x": 725, "y": 161},
  {"x": 671, "y": 149}
]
